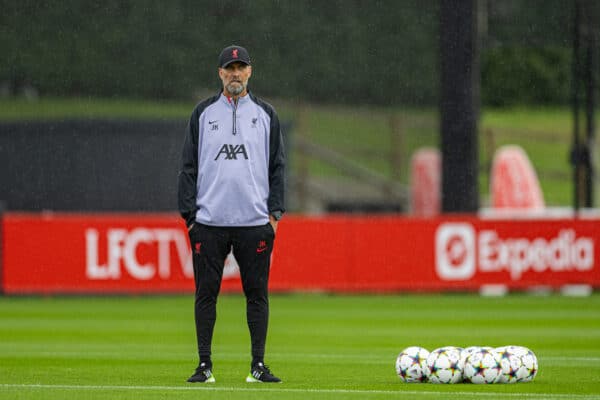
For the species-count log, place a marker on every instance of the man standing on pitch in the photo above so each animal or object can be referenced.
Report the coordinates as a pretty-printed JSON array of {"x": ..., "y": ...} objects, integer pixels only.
[{"x": 231, "y": 188}]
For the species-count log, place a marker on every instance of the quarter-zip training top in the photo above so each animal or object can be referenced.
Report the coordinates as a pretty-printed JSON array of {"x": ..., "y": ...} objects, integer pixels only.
[{"x": 232, "y": 171}]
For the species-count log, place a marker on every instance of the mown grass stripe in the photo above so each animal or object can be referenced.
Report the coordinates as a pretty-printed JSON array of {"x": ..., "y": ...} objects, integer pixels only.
[
  {"x": 372, "y": 359},
  {"x": 275, "y": 388}
]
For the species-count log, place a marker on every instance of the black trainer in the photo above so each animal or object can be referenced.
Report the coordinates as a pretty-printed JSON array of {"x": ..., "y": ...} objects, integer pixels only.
[
  {"x": 261, "y": 373},
  {"x": 203, "y": 374}
]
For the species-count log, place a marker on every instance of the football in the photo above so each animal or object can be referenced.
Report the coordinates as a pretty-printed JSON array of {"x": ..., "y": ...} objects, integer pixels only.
[
  {"x": 530, "y": 366},
  {"x": 511, "y": 365},
  {"x": 482, "y": 366},
  {"x": 519, "y": 364},
  {"x": 411, "y": 364},
  {"x": 444, "y": 365},
  {"x": 471, "y": 349}
]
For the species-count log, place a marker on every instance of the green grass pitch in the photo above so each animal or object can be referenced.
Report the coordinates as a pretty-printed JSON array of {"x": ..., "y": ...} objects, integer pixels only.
[{"x": 323, "y": 347}]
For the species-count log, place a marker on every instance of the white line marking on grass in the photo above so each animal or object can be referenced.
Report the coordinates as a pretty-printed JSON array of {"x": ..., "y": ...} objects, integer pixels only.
[{"x": 276, "y": 388}]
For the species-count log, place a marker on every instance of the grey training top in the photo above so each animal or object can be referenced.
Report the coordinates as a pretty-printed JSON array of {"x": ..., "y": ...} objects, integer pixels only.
[{"x": 232, "y": 164}]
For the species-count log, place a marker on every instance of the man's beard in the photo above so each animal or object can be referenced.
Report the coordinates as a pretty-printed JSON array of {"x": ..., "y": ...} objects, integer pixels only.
[{"x": 236, "y": 89}]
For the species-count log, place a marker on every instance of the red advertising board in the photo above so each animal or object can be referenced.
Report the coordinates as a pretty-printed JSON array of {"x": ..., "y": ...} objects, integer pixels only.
[{"x": 147, "y": 253}]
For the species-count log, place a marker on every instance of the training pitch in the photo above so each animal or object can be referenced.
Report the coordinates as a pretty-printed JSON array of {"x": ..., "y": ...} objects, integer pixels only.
[{"x": 323, "y": 347}]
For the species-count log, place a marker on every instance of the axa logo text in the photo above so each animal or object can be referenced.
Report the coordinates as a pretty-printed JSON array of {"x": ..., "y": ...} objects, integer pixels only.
[{"x": 232, "y": 151}]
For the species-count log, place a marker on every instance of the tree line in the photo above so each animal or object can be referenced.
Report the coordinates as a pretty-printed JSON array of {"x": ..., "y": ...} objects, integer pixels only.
[{"x": 383, "y": 52}]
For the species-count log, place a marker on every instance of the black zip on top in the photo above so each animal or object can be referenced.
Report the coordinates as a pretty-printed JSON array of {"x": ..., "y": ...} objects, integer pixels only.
[{"x": 235, "y": 103}]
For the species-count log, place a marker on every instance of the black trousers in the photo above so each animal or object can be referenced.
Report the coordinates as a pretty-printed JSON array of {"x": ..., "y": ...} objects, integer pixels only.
[{"x": 252, "y": 247}]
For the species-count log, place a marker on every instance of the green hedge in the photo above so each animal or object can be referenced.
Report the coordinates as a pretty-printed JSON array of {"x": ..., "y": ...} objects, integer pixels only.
[
  {"x": 525, "y": 75},
  {"x": 338, "y": 51}
]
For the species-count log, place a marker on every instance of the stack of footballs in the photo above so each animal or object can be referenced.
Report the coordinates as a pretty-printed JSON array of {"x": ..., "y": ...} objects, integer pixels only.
[{"x": 475, "y": 364}]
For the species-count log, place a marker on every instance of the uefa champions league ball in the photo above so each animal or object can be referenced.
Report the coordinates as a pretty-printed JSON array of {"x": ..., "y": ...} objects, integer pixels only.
[
  {"x": 511, "y": 365},
  {"x": 530, "y": 365},
  {"x": 519, "y": 364},
  {"x": 411, "y": 364},
  {"x": 444, "y": 365},
  {"x": 474, "y": 364},
  {"x": 466, "y": 352},
  {"x": 482, "y": 366}
]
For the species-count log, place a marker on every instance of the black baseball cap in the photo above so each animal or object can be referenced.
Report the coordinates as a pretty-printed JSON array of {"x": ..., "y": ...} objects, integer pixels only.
[{"x": 233, "y": 54}]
